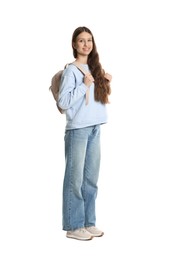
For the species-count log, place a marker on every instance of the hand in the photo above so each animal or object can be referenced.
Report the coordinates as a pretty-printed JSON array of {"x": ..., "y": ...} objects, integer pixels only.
[
  {"x": 108, "y": 77},
  {"x": 88, "y": 79}
]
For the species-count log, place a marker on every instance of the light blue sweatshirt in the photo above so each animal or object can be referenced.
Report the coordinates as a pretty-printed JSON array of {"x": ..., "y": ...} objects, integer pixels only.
[{"x": 72, "y": 99}]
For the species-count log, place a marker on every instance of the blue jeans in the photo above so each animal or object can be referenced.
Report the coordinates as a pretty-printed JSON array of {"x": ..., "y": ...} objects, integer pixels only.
[{"x": 82, "y": 154}]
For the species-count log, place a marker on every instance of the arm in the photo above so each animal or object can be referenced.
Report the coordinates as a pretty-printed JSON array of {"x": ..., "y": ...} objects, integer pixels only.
[{"x": 70, "y": 93}]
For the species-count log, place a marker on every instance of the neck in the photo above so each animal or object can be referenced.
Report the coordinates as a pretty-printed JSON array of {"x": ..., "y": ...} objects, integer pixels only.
[{"x": 82, "y": 60}]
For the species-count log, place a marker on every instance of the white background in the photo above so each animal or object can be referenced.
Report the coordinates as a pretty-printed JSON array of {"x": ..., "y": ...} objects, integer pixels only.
[{"x": 134, "y": 204}]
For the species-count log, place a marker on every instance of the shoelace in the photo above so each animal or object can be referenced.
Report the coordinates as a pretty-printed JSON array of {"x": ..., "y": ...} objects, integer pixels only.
[{"x": 83, "y": 230}]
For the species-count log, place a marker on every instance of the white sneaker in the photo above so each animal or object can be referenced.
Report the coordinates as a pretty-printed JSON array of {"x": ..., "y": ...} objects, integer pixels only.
[
  {"x": 80, "y": 234},
  {"x": 95, "y": 232}
]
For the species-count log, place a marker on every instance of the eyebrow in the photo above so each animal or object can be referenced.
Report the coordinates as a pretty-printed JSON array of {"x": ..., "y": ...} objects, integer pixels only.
[{"x": 90, "y": 38}]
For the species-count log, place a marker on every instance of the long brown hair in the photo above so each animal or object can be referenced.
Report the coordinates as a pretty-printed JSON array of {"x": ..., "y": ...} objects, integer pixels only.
[{"x": 102, "y": 85}]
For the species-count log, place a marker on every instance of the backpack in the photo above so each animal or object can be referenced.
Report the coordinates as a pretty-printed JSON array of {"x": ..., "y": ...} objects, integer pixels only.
[{"x": 56, "y": 80}]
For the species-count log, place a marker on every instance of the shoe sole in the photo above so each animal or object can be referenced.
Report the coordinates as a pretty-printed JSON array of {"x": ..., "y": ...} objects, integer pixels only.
[
  {"x": 81, "y": 239},
  {"x": 98, "y": 235}
]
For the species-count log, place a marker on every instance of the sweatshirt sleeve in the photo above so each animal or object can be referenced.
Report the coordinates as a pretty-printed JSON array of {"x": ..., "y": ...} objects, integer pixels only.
[{"x": 70, "y": 91}]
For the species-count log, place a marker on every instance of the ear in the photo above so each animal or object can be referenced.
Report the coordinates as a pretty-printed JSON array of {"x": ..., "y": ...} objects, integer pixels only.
[{"x": 74, "y": 45}]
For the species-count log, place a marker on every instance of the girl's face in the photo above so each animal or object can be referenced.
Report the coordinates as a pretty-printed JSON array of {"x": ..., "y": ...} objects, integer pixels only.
[{"x": 83, "y": 44}]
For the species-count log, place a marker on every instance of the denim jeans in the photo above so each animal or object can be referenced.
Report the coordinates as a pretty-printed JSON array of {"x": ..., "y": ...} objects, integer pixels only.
[{"x": 82, "y": 154}]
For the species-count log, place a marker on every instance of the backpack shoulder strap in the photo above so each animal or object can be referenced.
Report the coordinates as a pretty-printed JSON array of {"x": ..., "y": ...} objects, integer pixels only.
[
  {"x": 84, "y": 72},
  {"x": 79, "y": 67}
]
